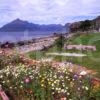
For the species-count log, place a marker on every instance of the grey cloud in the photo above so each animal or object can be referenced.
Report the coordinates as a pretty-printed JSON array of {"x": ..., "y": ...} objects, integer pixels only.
[{"x": 48, "y": 11}]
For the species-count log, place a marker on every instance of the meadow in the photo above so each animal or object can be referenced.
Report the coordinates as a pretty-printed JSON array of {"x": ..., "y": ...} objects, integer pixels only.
[{"x": 91, "y": 61}]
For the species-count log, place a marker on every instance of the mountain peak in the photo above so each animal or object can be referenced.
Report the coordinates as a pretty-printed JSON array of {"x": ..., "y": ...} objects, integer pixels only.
[
  {"x": 20, "y": 25},
  {"x": 17, "y": 20}
]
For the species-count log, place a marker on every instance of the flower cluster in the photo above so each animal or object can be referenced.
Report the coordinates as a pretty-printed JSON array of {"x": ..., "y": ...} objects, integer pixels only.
[{"x": 42, "y": 81}]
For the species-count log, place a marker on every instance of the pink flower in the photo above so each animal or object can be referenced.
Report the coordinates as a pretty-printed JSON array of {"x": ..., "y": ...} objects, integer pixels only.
[
  {"x": 27, "y": 80},
  {"x": 63, "y": 98}
]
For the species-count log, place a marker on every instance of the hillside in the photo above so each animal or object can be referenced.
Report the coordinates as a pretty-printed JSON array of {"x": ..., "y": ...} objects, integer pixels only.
[
  {"x": 20, "y": 25},
  {"x": 86, "y": 25}
]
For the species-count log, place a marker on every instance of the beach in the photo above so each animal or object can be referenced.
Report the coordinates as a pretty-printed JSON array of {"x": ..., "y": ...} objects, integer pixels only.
[{"x": 39, "y": 44}]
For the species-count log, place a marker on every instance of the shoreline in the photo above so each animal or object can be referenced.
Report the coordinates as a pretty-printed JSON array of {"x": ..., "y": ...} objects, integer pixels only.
[{"x": 36, "y": 44}]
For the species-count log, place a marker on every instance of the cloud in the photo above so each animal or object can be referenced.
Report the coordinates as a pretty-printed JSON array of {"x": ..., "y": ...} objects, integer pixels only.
[{"x": 48, "y": 11}]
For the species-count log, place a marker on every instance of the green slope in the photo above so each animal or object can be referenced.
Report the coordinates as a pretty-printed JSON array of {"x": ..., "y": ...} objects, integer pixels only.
[{"x": 92, "y": 61}]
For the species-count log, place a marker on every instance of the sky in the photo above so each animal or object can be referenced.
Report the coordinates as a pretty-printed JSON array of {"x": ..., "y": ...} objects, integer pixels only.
[{"x": 48, "y": 11}]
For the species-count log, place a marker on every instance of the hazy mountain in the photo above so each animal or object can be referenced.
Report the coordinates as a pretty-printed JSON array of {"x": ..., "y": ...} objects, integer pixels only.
[{"x": 20, "y": 25}]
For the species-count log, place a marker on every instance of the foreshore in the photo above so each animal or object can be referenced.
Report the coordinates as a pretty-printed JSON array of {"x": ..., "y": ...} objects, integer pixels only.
[
  {"x": 39, "y": 44},
  {"x": 26, "y": 46}
]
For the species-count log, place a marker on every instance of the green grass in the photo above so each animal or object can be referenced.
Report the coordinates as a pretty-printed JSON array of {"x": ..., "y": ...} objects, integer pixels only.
[
  {"x": 86, "y": 39},
  {"x": 36, "y": 55},
  {"x": 91, "y": 61}
]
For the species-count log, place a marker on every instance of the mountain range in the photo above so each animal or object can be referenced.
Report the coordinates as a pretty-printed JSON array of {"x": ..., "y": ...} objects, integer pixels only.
[{"x": 20, "y": 25}]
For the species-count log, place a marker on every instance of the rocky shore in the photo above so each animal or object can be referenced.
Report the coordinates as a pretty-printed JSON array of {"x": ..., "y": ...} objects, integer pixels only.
[
  {"x": 28, "y": 45},
  {"x": 39, "y": 44}
]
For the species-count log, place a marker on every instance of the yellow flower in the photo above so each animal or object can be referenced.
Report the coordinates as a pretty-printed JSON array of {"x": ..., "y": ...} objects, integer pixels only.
[
  {"x": 42, "y": 80},
  {"x": 49, "y": 82},
  {"x": 42, "y": 85},
  {"x": 86, "y": 88}
]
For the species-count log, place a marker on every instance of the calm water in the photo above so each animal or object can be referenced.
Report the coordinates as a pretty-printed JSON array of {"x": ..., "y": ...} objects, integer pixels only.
[{"x": 16, "y": 36}]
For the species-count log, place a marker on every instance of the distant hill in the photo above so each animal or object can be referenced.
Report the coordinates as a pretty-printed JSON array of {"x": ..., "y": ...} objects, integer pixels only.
[
  {"x": 20, "y": 25},
  {"x": 94, "y": 25}
]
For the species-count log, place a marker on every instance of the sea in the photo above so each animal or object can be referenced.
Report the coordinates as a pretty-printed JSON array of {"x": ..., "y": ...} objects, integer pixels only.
[{"x": 26, "y": 35}]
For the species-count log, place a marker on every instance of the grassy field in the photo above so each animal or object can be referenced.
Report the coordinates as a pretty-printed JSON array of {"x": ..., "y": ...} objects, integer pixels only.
[{"x": 91, "y": 61}]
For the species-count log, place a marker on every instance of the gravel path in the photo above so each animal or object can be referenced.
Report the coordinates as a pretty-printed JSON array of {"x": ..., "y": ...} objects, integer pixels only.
[{"x": 67, "y": 54}]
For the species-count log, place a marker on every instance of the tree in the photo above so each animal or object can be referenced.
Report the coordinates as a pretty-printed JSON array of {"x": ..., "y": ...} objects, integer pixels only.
[{"x": 85, "y": 25}]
